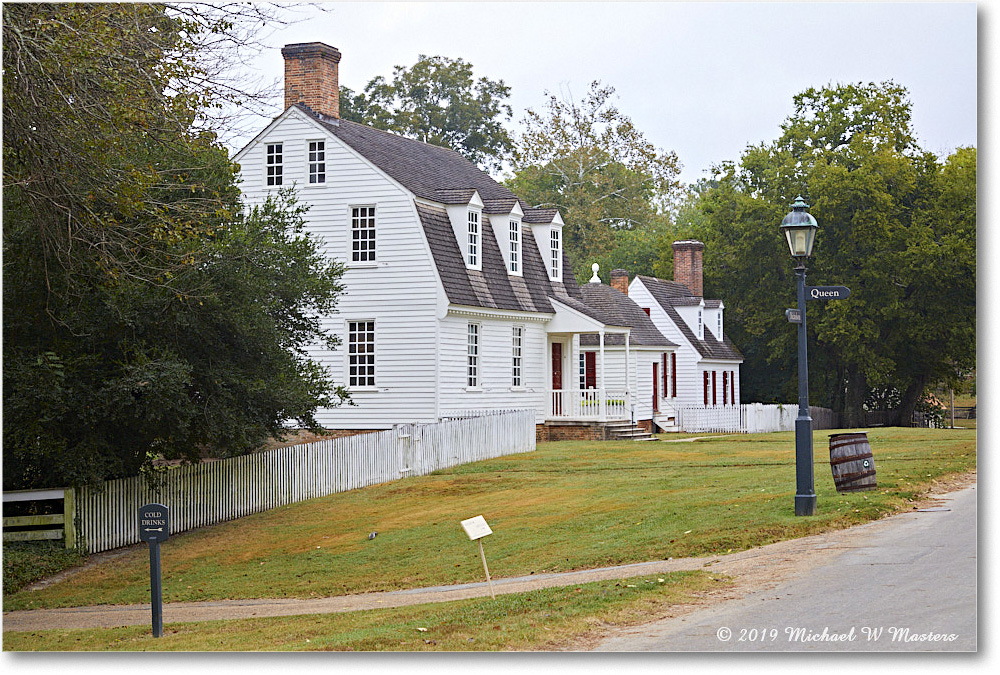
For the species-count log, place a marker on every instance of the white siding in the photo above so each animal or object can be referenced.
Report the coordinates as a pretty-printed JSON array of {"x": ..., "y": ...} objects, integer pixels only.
[
  {"x": 400, "y": 292},
  {"x": 495, "y": 352}
]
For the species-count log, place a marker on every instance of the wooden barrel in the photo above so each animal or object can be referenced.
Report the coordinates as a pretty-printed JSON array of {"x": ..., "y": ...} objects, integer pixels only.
[{"x": 852, "y": 463}]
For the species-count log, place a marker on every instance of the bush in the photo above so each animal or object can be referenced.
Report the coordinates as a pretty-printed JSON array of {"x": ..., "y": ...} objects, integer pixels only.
[{"x": 25, "y": 562}]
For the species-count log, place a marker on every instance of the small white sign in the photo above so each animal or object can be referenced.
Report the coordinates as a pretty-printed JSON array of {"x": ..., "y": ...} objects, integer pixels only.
[{"x": 476, "y": 528}]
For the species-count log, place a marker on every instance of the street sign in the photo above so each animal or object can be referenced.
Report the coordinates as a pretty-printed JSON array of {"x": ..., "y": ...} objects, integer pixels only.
[
  {"x": 154, "y": 522},
  {"x": 154, "y": 527},
  {"x": 827, "y": 292},
  {"x": 793, "y": 315}
]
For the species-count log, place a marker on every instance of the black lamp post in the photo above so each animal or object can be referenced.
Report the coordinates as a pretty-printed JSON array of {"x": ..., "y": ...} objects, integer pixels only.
[{"x": 800, "y": 230}]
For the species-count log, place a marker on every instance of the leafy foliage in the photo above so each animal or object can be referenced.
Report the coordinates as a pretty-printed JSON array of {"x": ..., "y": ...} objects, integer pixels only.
[
  {"x": 588, "y": 160},
  {"x": 146, "y": 314},
  {"x": 895, "y": 226},
  {"x": 437, "y": 101}
]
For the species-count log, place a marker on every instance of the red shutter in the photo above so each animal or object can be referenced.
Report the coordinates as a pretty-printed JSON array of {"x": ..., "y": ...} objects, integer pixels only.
[
  {"x": 732, "y": 387},
  {"x": 725, "y": 387},
  {"x": 656, "y": 388},
  {"x": 713, "y": 388},
  {"x": 590, "y": 370},
  {"x": 706, "y": 387},
  {"x": 673, "y": 376}
]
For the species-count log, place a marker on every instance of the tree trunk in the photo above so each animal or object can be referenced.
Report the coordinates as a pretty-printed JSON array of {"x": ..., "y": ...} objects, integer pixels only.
[
  {"x": 909, "y": 401},
  {"x": 854, "y": 398}
]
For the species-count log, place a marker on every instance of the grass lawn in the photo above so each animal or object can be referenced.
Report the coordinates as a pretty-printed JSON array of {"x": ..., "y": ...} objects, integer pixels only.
[
  {"x": 567, "y": 506},
  {"x": 546, "y": 619}
]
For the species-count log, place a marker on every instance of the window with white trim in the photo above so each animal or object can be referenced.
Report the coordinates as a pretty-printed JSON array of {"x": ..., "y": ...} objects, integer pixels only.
[
  {"x": 515, "y": 247},
  {"x": 317, "y": 161},
  {"x": 361, "y": 353},
  {"x": 473, "y": 355},
  {"x": 472, "y": 257},
  {"x": 701, "y": 327},
  {"x": 362, "y": 234},
  {"x": 274, "y": 162},
  {"x": 555, "y": 247},
  {"x": 516, "y": 353},
  {"x": 719, "y": 334}
]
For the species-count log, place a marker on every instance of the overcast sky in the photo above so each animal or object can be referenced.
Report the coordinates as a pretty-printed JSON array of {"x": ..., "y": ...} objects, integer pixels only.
[{"x": 703, "y": 79}]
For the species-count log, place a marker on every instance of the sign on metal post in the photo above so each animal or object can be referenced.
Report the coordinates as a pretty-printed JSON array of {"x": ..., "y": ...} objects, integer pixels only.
[
  {"x": 793, "y": 315},
  {"x": 154, "y": 527},
  {"x": 827, "y": 292},
  {"x": 477, "y": 528}
]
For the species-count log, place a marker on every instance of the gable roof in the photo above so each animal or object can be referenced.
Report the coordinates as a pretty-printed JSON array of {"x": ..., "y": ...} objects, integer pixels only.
[
  {"x": 615, "y": 308},
  {"x": 669, "y": 295}
]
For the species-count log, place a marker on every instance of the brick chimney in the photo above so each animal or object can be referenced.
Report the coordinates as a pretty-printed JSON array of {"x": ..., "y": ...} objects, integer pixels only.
[
  {"x": 619, "y": 280},
  {"x": 312, "y": 77},
  {"x": 687, "y": 265}
]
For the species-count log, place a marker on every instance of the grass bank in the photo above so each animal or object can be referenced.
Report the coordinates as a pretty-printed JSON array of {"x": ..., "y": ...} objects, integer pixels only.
[
  {"x": 547, "y": 619},
  {"x": 568, "y": 506}
]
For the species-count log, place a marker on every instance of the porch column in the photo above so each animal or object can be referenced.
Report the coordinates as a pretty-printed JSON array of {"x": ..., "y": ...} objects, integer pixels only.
[{"x": 602, "y": 411}]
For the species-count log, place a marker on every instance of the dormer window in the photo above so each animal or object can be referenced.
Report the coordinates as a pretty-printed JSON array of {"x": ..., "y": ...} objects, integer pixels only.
[
  {"x": 472, "y": 253},
  {"x": 515, "y": 247},
  {"x": 701, "y": 327},
  {"x": 719, "y": 333},
  {"x": 555, "y": 248}
]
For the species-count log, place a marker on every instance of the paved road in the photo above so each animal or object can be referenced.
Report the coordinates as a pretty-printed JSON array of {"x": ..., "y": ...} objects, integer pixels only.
[{"x": 907, "y": 583}]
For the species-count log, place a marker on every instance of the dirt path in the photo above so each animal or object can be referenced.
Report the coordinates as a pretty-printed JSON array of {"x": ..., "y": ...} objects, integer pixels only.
[{"x": 753, "y": 569}]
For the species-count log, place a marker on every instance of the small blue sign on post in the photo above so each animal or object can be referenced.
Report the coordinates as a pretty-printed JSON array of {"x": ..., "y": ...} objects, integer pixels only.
[{"x": 154, "y": 527}]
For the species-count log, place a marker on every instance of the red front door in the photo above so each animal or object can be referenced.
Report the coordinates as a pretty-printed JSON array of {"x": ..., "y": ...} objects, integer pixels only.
[
  {"x": 557, "y": 378},
  {"x": 656, "y": 387}
]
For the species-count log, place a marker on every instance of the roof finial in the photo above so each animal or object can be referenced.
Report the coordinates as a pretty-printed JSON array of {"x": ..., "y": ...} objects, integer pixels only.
[{"x": 595, "y": 279}]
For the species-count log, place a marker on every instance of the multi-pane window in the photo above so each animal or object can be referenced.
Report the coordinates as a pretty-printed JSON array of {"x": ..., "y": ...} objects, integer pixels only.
[
  {"x": 473, "y": 251},
  {"x": 555, "y": 245},
  {"x": 719, "y": 333},
  {"x": 317, "y": 161},
  {"x": 518, "y": 343},
  {"x": 701, "y": 331},
  {"x": 361, "y": 353},
  {"x": 473, "y": 355},
  {"x": 274, "y": 163},
  {"x": 363, "y": 234},
  {"x": 515, "y": 246}
]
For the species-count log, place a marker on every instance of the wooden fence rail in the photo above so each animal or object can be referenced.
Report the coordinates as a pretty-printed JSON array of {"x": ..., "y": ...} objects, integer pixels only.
[{"x": 212, "y": 492}]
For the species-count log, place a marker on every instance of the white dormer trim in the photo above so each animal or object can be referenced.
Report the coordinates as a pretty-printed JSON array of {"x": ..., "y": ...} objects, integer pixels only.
[
  {"x": 505, "y": 227},
  {"x": 546, "y": 235},
  {"x": 459, "y": 216}
]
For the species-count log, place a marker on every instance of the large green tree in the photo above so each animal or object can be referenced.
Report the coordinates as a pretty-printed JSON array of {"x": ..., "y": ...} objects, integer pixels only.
[
  {"x": 437, "y": 100},
  {"x": 612, "y": 186},
  {"x": 146, "y": 313},
  {"x": 896, "y": 227}
]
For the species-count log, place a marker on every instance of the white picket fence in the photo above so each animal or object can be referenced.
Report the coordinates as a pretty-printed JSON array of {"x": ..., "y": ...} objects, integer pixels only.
[
  {"x": 749, "y": 418},
  {"x": 213, "y": 492}
]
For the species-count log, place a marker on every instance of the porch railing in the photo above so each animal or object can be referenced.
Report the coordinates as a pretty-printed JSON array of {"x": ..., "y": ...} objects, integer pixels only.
[{"x": 589, "y": 404}]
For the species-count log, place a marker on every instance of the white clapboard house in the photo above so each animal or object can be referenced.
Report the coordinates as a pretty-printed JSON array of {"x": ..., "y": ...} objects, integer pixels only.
[
  {"x": 704, "y": 370},
  {"x": 459, "y": 298}
]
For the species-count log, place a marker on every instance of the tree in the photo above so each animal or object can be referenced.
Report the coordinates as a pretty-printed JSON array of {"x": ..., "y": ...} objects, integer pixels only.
[
  {"x": 588, "y": 160},
  {"x": 887, "y": 231},
  {"x": 146, "y": 314},
  {"x": 437, "y": 101}
]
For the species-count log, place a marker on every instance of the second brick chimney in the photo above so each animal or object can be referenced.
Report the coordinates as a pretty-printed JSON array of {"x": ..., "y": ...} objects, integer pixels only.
[
  {"x": 687, "y": 265},
  {"x": 312, "y": 77},
  {"x": 619, "y": 280}
]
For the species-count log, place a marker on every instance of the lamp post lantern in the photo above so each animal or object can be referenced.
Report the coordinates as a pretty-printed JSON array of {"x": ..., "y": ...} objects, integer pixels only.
[{"x": 799, "y": 229}]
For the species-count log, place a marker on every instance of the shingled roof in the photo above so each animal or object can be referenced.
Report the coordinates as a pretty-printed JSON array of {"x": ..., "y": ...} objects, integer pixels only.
[
  {"x": 671, "y": 294},
  {"x": 614, "y": 308}
]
